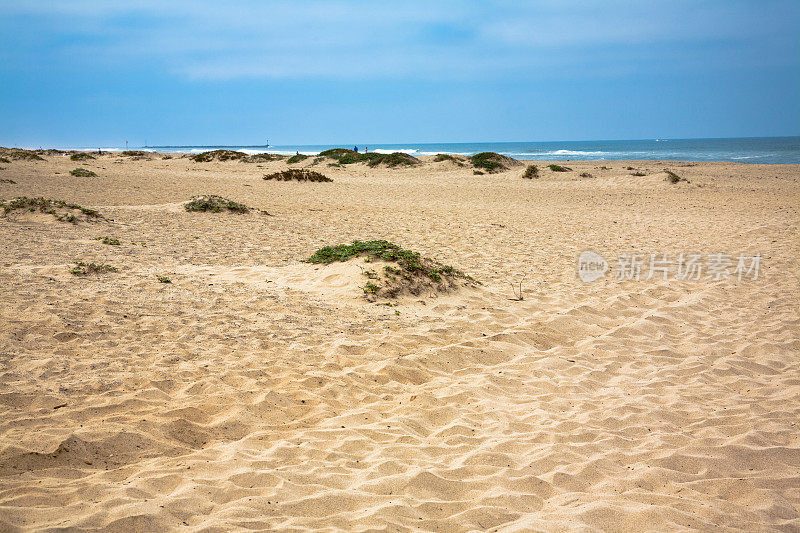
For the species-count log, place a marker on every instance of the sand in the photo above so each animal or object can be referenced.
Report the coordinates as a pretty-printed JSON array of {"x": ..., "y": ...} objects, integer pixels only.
[{"x": 257, "y": 392}]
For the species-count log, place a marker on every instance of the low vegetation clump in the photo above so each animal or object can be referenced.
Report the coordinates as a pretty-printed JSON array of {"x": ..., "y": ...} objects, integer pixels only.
[
  {"x": 108, "y": 240},
  {"x": 638, "y": 173},
  {"x": 217, "y": 155},
  {"x": 261, "y": 158},
  {"x": 674, "y": 178},
  {"x": 164, "y": 279},
  {"x": 493, "y": 162},
  {"x": 84, "y": 269},
  {"x": 134, "y": 153},
  {"x": 214, "y": 204},
  {"x": 531, "y": 172},
  {"x": 456, "y": 159},
  {"x": 344, "y": 156},
  {"x": 296, "y": 159},
  {"x": 413, "y": 273},
  {"x": 478, "y": 172},
  {"x": 395, "y": 159},
  {"x": 19, "y": 154},
  {"x": 82, "y": 173},
  {"x": 5, "y": 180},
  {"x": 81, "y": 156},
  {"x": 61, "y": 210},
  {"x": 297, "y": 174},
  {"x": 586, "y": 175},
  {"x": 5, "y": 160},
  {"x": 337, "y": 153},
  {"x": 558, "y": 168}
]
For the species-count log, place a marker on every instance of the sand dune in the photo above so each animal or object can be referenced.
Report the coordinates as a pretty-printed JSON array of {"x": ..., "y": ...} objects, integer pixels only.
[{"x": 257, "y": 392}]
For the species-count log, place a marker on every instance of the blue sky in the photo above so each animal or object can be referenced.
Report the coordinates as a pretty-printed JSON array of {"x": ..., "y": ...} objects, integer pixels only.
[{"x": 97, "y": 73}]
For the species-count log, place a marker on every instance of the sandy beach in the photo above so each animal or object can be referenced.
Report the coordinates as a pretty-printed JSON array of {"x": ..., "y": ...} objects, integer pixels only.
[{"x": 255, "y": 391}]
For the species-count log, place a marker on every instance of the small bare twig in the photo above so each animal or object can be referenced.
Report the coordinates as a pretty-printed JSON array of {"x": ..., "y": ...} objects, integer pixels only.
[{"x": 517, "y": 289}]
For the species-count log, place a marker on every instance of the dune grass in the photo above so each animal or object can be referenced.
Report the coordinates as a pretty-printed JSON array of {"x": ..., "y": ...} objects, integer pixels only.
[
  {"x": 81, "y": 156},
  {"x": 674, "y": 178},
  {"x": 558, "y": 168}
]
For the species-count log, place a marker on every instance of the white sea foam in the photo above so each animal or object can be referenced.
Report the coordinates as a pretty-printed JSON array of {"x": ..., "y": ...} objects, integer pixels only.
[{"x": 402, "y": 150}]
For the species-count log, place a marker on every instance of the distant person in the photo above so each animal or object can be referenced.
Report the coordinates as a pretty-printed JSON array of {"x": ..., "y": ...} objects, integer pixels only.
[
  {"x": 355, "y": 148},
  {"x": 366, "y": 149}
]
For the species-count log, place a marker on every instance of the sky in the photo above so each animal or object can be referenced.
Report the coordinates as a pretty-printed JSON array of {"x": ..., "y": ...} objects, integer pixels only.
[{"x": 85, "y": 73}]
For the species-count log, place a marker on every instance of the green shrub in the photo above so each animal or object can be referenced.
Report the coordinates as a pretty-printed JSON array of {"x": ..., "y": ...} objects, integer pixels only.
[
  {"x": 297, "y": 174},
  {"x": 337, "y": 153},
  {"x": 531, "y": 172},
  {"x": 343, "y": 156},
  {"x": 214, "y": 204},
  {"x": 164, "y": 279},
  {"x": 261, "y": 158},
  {"x": 638, "y": 173},
  {"x": 392, "y": 160},
  {"x": 5, "y": 160},
  {"x": 409, "y": 261},
  {"x": 81, "y": 156},
  {"x": 82, "y": 173},
  {"x": 217, "y": 155},
  {"x": 296, "y": 159},
  {"x": 493, "y": 162},
  {"x": 558, "y": 168},
  {"x": 134, "y": 153}
]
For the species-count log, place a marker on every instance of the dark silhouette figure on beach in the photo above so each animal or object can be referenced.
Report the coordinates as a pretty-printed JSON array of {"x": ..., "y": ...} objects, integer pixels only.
[{"x": 355, "y": 148}]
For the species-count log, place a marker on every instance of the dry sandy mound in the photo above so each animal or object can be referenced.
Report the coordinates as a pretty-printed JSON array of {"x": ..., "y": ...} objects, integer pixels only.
[{"x": 371, "y": 271}]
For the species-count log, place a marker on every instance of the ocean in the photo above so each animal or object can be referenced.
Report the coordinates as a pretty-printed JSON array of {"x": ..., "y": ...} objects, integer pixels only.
[{"x": 740, "y": 150}]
